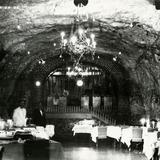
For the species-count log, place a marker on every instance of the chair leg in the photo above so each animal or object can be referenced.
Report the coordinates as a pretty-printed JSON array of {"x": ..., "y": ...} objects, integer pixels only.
[{"x": 1, "y": 152}]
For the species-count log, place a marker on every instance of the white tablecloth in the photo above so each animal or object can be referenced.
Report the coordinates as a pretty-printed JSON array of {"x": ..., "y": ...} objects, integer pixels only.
[
  {"x": 126, "y": 136},
  {"x": 82, "y": 129},
  {"x": 131, "y": 133},
  {"x": 99, "y": 132},
  {"x": 150, "y": 143},
  {"x": 114, "y": 132},
  {"x": 94, "y": 134}
]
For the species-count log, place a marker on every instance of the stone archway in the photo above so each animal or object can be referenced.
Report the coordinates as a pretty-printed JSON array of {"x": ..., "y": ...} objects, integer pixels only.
[{"x": 119, "y": 74}]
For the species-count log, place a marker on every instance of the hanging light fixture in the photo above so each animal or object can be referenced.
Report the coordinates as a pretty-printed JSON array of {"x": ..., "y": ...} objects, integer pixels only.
[
  {"x": 75, "y": 70},
  {"x": 80, "y": 43},
  {"x": 82, "y": 71}
]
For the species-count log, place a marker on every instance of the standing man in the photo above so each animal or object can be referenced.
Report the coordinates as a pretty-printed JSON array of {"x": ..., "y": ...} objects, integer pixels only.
[
  {"x": 39, "y": 117},
  {"x": 19, "y": 114}
]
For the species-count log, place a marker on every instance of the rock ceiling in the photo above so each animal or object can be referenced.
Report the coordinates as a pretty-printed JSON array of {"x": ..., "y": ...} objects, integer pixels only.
[{"x": 30, "y": 30}]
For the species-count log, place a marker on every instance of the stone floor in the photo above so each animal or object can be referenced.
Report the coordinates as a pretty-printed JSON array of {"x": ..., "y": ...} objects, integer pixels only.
[
  {"x": 84, "y": 149},
  {"x": 79, "y": 148},
  {"x": 72, "y": 152}
]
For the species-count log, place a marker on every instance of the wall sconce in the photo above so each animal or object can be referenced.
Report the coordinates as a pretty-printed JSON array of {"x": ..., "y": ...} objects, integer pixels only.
[
  {"x": 143, "y": 121},
  {"x": 79, "y": 83},
  {"x": 38, "y": 83}
]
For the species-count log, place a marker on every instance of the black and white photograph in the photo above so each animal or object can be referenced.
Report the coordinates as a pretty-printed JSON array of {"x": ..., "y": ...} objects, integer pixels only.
[{"x": 79, "y": 79}]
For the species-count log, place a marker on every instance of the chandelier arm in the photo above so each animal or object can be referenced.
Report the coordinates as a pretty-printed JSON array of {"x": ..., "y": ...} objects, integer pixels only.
[{"x": 80, "y": 57}]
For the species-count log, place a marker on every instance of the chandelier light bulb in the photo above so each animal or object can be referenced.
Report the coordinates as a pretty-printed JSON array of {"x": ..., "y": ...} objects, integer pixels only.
[
  {"x": 76, "y": 67},
  {"x": 85, "y": 73},
  {"x": 80, "y": 31},
  {"x": 79, "y": 44},
  {"x": 65, "y": 42},
  {"x": 79, "y": 69},
  {"x": 74, "y": 73},
  {"x": 94, "y": 44},
  {"x": 62, "y": 34},
  {"x": 43, "y": 62},
  {"x": 73, "y": 39},
  {"x": 114, "y": 58},
  {"x": 69, "y": 74},
  {"x": 92, "y": 36},
  {"x": 88, "y": 41},
  {"x": 81, "y": 47}
]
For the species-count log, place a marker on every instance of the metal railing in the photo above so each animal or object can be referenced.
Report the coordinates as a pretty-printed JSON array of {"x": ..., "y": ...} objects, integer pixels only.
[
  {"x": 68, "y": 109},
  {"x": 97, "y": 113},
  {"x": 103, "y": 116}
]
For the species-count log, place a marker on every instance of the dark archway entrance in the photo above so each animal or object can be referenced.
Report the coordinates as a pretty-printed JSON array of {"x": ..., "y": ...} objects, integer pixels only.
[{"x": 96, "y": 87}]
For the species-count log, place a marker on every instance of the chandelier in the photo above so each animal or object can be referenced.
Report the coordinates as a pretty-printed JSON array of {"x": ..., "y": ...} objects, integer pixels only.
[
  {"x": 79, "y": 43},
  {"x": 81, "y": 71}
]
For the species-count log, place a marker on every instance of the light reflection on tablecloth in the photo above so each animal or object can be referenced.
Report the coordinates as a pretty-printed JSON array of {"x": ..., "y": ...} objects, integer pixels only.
[
  {"x": 150, "y": 140},
  {"x": 114, "y": 132}
]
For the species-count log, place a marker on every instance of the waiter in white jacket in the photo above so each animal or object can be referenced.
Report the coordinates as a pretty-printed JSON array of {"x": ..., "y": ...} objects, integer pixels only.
[{"x": 19, "y": 115}]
